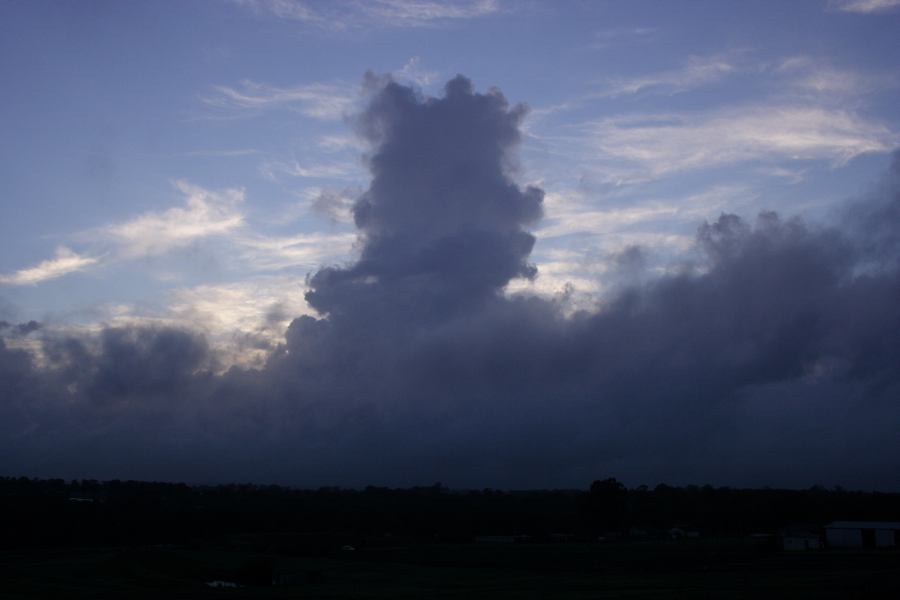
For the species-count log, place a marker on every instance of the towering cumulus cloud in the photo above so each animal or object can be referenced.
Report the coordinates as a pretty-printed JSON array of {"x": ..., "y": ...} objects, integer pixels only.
[
  {"x": 776, "y": 361},
  {"x": 442, "y": 223}
]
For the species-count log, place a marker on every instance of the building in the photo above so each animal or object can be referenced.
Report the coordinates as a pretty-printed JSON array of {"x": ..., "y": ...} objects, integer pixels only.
[
  {"x": 800, "y": 540},
  {"x": 862, "y": 534}
]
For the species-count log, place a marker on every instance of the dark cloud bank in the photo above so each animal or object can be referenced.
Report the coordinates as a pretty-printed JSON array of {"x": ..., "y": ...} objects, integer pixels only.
[{"x": 777, "y": 362}]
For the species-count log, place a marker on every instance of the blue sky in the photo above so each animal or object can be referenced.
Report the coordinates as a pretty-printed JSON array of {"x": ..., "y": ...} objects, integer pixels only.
[{"x": 193, "y": 161}]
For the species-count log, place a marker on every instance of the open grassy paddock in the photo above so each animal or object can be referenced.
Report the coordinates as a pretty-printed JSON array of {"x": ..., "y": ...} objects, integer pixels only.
[{"x": 688, "y": 568}]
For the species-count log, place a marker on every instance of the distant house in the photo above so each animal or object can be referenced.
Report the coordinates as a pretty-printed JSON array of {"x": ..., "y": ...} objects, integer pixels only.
[
  {"x": 502, "y": 539},
  {"x": 862, "y": 534},
  {"x": 677, "y": 533},
  {"x": 763, "y": 540},
  {"x": 87, "y": 497},
  {"x": 80, "y": 498},
  {"x": 800, "y": 540}
]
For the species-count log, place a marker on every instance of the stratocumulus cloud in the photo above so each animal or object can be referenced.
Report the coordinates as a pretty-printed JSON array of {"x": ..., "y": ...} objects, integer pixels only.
[{"x": 774, "y": 361}]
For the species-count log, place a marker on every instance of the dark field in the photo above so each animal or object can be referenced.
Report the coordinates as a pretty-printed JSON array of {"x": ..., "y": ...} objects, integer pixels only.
[
  {"x": 90, "y": 539},
  {"x": 687, "y": 568}
]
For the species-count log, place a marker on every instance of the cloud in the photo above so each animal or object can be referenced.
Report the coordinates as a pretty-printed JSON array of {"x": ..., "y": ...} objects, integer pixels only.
[
  {"x": 769, "y": 359},
  {"x": 223, "y": 153},
  {"x": 573, "y": 213},
  {"x": 308, "y": 250},
  {"x": 241, "y": 321},
  {"x": 206, "y": 214},
  {"x": 324, "y": 102},
  {"x": 622, "y": 35},
  {"x": 563, "y": 272},
  {"x": 458, "y": 202},
  {"x": 244, "y": 320},
  {"x": 295, "y": 10},
  {"x": 348, "y": 14},
  {"x": 417, "y": 13},
  {"x": 697, "y": 71},
  {"x": 274, "y": 169},
  {"x": 653, "y": 145},
  {"x": 582, "y": 238},
  {"x": 864, "y": 6},
  {"x": 335, "y": 205},
  {"x": 801, "y": 81},
  {"x": 828, "y": 82},
  {"x": 338, "y": 143},
  {"x": 66, "y": 261},
  {"x": 413, "y": 72},
  {"x": 20, "y": 329}
]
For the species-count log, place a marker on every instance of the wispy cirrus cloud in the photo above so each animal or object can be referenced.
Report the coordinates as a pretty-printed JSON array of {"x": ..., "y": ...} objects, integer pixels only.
[
  {"x": 419, "y": 13},
  {"x": 622, "y": 35},
  {"x": 794, "y": 79},
  {"x": 64, "y": 262},
  {"x": 864, "y": 6},
  {"x": 235, "y": 153},
  {"x": 295, "y": 10},
  {"x": 275, "y": 169},
  {"x": 340, "y": 143},
  {"x": 574, "y": 213},
  {"x": 650, "y": 146},
  {"x": 807, "y": 74},
  {"x": 321, "y": 101},
  {"x": 206, "y": 213},
  {"x": 346, "y": 14},
  {"x": 303, "y": 251},
  {"x": 695, "y": 72}
]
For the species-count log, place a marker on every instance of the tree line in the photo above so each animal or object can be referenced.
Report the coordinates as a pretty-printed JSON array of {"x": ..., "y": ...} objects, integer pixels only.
[{"x": 48, "y": 512}]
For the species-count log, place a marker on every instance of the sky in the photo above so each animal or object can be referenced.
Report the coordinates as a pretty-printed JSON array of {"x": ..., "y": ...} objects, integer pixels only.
[{"x": 491, "y": 243}]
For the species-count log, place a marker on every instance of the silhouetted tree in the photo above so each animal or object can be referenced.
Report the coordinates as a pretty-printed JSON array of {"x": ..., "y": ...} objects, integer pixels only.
[{"x": 607, "y": 504}]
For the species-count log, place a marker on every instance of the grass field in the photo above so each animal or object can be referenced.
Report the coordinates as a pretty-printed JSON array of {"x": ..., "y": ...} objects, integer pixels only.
[{"x": 691, "y": 569}]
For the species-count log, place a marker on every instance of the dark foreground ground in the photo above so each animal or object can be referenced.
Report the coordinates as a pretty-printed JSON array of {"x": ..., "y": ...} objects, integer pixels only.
[{"x": 701, "y": 568}]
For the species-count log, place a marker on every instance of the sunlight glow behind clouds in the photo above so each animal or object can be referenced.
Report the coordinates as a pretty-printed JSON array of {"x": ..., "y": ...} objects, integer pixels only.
[{"x": 245, "y": 320}]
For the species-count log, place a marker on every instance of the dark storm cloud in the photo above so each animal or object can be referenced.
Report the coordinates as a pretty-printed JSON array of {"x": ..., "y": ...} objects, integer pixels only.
[
  {"x": 442, "y": 221},
  {"x": 776, "y": 361},
  {"x": 20, "y": 329},
  {"x": 875, "y": 223}
]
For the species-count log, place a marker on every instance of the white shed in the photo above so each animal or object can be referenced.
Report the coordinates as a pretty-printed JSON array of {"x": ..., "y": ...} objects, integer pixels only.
[
  {"x": 799, "y": 540},
  {"x": 862, "y": 534}
]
